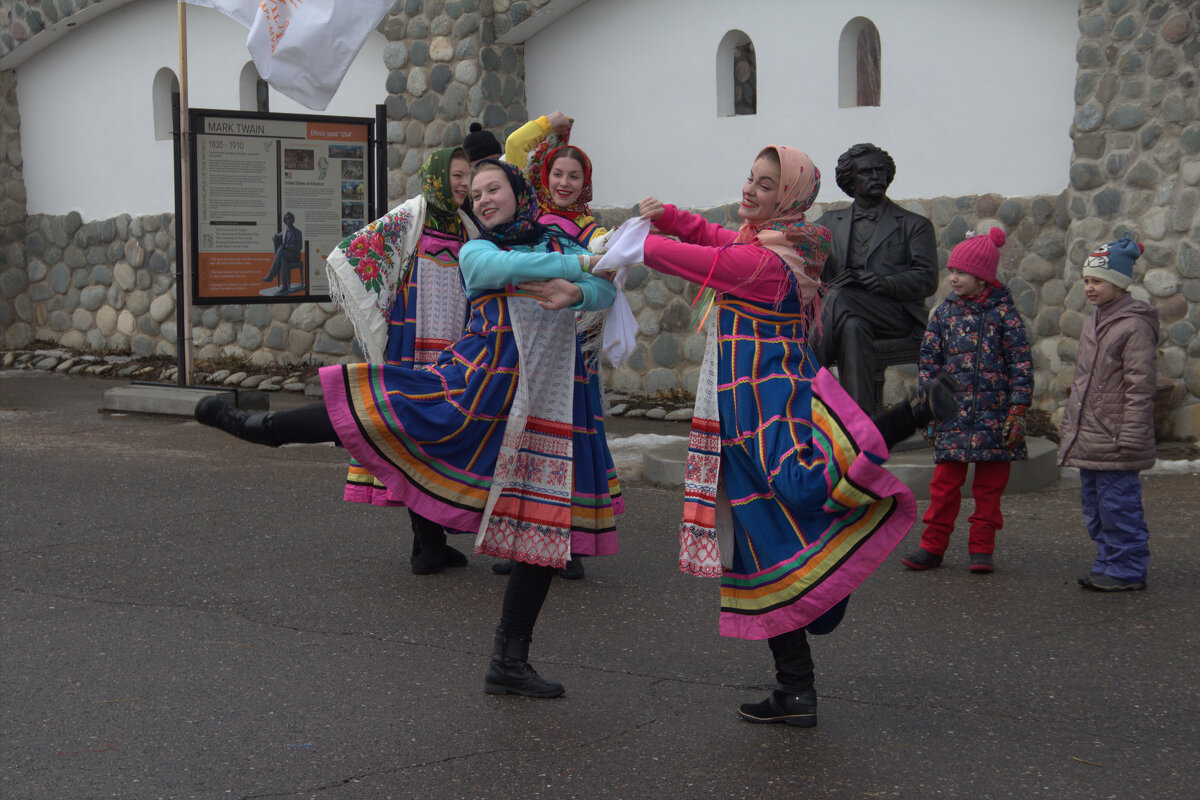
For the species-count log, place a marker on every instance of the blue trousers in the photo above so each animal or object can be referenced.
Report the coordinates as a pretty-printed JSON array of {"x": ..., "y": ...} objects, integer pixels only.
[{"x": 1112, "y": 509}]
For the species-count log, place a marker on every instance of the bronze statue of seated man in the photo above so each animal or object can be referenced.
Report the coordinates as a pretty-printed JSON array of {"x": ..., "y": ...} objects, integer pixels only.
[{"x": 883, "y": 265}]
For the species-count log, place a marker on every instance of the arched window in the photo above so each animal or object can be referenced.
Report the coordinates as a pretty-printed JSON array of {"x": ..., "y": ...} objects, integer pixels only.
[
  {"x": 252, "y": 90},
  {"x": 737, "y": 76},
  {"x": 164, "y": 92},
  {"x": 859, "y": 64}
]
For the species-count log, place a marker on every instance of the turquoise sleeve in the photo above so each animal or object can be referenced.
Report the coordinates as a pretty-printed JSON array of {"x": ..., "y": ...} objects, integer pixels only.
[
  {"x": 485, "y": 266},
  {"x": 598, "y": 293}
]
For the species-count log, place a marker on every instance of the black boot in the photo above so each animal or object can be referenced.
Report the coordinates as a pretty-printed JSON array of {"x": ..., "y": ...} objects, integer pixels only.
[
  {"x": 934, "y": 400},
  {"x": 430, "y": 543},
  {"x": 430, "y": 537},
  {"x": 215, "y": 412},
  {"x": 799, "y": 709},
  {"x": 431, "y": 555},
  {"x": 573, "y": 571},
  {"x": 795, "y": 701},
  {"x": 509, "y": 671}
]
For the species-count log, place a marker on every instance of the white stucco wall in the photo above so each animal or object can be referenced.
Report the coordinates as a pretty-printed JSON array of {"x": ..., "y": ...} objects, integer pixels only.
[
  {"x": 87, "y": 127},
  {"x": 977, "y": 95}
]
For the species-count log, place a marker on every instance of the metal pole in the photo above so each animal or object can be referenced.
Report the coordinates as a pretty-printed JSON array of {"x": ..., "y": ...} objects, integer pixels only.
[{"x": 183, "y": 227}]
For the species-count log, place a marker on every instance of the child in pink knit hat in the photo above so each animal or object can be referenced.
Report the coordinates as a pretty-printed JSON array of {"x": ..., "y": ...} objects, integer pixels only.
[{"x": 977, "y": 336}]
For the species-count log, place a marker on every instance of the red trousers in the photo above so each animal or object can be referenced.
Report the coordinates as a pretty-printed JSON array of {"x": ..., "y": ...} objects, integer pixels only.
[{"x": 945, "y": 497}]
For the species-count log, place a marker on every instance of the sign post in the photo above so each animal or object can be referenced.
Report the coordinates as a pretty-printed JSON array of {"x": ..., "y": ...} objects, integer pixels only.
[{"x": 182, "y": 230}]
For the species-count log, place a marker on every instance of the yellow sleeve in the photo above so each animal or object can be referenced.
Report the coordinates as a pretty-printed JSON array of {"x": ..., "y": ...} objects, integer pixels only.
[{"x": 523, "y": 139}]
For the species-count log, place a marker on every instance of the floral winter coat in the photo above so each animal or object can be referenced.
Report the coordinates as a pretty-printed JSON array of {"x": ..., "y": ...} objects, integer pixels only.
[{"x": 981, "y": 341}]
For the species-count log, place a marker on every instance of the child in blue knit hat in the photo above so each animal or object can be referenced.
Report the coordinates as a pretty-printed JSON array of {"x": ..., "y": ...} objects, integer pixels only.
[{"x": 1107, "y": 429}]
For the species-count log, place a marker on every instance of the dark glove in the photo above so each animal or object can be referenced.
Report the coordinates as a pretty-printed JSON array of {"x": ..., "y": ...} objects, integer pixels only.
[
  {"x": 1013, "y": 431},
  {"x": 870, "y": 281}
]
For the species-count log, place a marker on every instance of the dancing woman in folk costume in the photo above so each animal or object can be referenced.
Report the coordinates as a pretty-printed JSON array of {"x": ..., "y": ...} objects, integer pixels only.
[
  {"x": 398, "y": 283},
  {"x": 496, "y": 436},
  {"x": 561, "y": 175},
  {"x": 786, "y": 498}
]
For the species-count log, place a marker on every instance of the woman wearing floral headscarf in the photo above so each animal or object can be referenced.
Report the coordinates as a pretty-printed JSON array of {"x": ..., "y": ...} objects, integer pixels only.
[
  {"x": 785, "y": 496},
  {"x": 496, "y": 436},
  {"x": 398, "y": 282}
]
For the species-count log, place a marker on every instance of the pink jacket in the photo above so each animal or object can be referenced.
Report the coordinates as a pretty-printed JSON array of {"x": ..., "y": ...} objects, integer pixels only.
[
  {"x": 707, "y": 254},
  {"x": 1109, "y": 419}
]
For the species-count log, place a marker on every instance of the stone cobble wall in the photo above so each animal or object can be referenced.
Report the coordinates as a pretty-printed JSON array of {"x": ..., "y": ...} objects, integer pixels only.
[
  {"x": 109, "y": 285},
  {"x": 12, "y": 188},
  {"x": 1136, "y": 167},
  {"x": 446, "y": 69}
]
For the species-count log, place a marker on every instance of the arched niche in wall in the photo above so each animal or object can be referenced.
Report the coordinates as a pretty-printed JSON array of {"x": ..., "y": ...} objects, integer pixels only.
[
  {"x": 859, "y": 64},
  {"x": 252, "y": 90},
  {"x": 737, "y": 76},
  {"x": 163, "y": 91}
]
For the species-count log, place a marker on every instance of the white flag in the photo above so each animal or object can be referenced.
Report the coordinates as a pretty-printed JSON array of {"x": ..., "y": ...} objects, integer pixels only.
[{"x": 303, "y": 48}]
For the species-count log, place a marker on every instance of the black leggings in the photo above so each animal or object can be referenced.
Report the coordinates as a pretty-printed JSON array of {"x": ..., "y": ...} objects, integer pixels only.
[
  {"x": 793, "y": 661},
  {"x": 305, "y": 425},
  {"x": 523, "y": 597}
]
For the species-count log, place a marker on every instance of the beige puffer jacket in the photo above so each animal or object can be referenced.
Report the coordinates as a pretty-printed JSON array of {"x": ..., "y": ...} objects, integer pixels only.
[{"x": 1109, "y": 419}]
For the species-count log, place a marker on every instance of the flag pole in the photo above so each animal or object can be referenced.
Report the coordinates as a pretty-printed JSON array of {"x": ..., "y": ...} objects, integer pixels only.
[{"x": 183, "y": 227}]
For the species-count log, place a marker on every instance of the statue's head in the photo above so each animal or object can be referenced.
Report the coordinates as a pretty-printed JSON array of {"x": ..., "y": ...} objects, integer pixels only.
[
  {"x": 289, "y": 219},
  {"x": 865, "y": 171}
]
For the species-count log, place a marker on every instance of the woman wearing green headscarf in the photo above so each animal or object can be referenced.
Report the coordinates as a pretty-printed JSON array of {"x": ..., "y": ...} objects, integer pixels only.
[{"x": 397, "y": 280}]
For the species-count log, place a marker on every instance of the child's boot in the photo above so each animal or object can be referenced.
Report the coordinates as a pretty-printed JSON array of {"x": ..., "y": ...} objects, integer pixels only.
[
  {"x": 921, "y": 559},
  {"x": 981, "y": 563}
]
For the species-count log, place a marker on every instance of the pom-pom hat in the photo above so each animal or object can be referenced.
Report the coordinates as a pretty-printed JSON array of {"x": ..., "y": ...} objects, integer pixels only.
[
  {"x": 978, "y": 255},
  {"x": 479, "y": 143},
  {"x": 1113, "y": 262}
]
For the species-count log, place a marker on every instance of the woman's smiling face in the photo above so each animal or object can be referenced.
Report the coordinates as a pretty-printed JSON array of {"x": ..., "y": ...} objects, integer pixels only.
[
  {"x": 460, "y": 179},
  {"x": 492, "y": 197},
  {"x": 565, "y": 181},
  {"x": 761, "y": 192}
]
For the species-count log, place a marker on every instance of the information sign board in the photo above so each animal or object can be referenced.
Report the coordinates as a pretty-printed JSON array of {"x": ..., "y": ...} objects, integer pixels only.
[{"x": 272, "y": 195}]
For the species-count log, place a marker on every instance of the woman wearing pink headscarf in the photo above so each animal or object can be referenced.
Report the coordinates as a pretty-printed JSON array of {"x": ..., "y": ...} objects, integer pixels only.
[{"x": 785, "y": 498}]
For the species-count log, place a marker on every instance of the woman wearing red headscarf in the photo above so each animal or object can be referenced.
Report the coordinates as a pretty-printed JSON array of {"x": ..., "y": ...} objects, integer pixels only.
[
  {"x": 561, "y": 176},
  {"x": 786, "y": 499}
]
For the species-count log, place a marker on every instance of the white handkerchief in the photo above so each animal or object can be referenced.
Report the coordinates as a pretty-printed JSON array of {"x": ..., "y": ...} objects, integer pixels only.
[
  {"x": 620, "y": 331},
  {"x": 626, "y": 246}
]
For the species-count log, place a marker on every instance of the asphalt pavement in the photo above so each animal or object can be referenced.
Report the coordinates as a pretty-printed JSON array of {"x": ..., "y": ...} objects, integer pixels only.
[{"x": 188, "y": 616}]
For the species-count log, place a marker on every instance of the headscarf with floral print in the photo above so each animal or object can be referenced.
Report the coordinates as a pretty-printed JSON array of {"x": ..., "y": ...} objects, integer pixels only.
[
  {"x": 540, "y": 165},
  {"x": 523, "y": 228},
  {"x": 803, "y": 246},
  {"x": 441, "y": 214}
]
